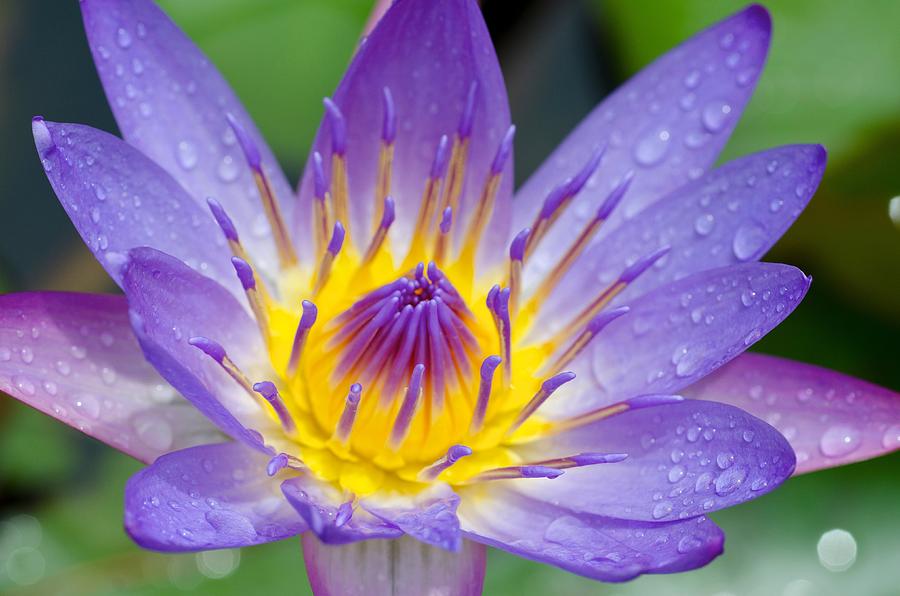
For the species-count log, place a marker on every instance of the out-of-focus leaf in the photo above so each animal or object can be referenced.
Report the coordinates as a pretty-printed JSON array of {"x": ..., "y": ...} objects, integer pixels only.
[
  {"x": 281, "y": 56},
  {"x": 36, "y": 449}
]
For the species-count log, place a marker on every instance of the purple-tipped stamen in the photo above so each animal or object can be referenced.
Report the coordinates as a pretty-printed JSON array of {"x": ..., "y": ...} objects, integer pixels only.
[
  {"x": 320, "y": 184},
  {"x": 547, "y": 389},
  {"x": 388, "y": 215},
  {"x": 286, "y": 255},
  {"x": 615, "y": 196},
  {"x": 560, "y": 197},
  {"x": 503, "y": 151},
  {"x": 331, "y": 252},
  {"x": 276, "y": 464},
  {"x": 638, "y": 267},
  {"x": 488, "y": 367},
  {"x": 581, "y": 178},
  {"x": 248, "y": 146},
  {"x": 453, "y": 455},
  {"x": 244, "y": 272},
  {"x": 551, "y": 281},
  {"x": 223, "y": 220},
  {"x": 441, "y": 159},
  {"x": 209, "y": 347},
  {"x": 599, "y": 303},
  {"x": 517, "y": 247},
  {"x": 512, "y": 472},
  {"x": 389, "y": 118},
  {"x": 635, "y": 403},
  {"x": 257, "y": 305},
  {"x": 652, "y": 400},
  {"x": 338, "y": 127},
  {"x": 407, "y": 408},
  {"x": 307, "y": 320},
  {"x": 498, "y": 304},
  {"x": 516, "y": 255},
  {"x": 270, "y": 393},
  {"x": 337, "y": 239},
  {"x": 348, "y": 416},
  {"x": 580, "y": 460},
  {"x": 468, "y": 115},
  {"x": 446, "y": 220},
  {"x": 215, "y": 351},
  {"x": 593, "y": 327}
]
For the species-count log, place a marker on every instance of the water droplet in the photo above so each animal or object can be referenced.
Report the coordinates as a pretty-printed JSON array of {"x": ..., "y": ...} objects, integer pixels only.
[
  {"x": 748, "y": 436},
  {"x": 715, "y": 116},
  {"x": 24, "y": 385},
  {"x": 692, "y": 80},
  {"x": 187, "y": 155},
  {"x": 153, "y": 430},
  {"x": 748, "y": 297},
  {"x": 724, "y": 460},
  {"x": 689, "y": 543},
  {"x": 660, "y": 510},
  {"x": 837, "y": 550},
  {"x": 891, "y": 437},
  {"x": 676, "y": 473},
  {"x": 840, "y": 440},
  {"x": 86, "y": 404},
  {"x": 123, "y": 38},
  {"x": 652, "y": 148},
  {"x": 95, "y": 215},
  {"x": 227, "y": 170},
  {"x": 730, "y": 480},
  {"x": 704, "y": 224},
  {"x": 748, "y": 241}
]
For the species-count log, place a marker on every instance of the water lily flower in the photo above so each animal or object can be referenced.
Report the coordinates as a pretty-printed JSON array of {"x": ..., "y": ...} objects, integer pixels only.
[{"x": 402, "y": 350}]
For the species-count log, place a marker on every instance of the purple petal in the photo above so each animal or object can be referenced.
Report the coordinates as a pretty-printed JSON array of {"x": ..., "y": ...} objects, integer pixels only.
[
  {"x": 171, "y": 103},
  {"x": 830, "y": 419},
  {"x": 606, "y": 549},
  {"x": 429, "y": 517},
  {"x": 402, "y": 567},
  {"x": 319, "y": 505},
  {"x": 667, "y": 124},
  {"x": 119, "y": 199},
  {"x": 207, "y": 497},
  {"x": 428, "y": 54},
  {"x": 74, "y": 357},
  {"x": 735, "y": 213},
  {"x": 679, "y": 333},
  {"x": 684, "y": 459},
  {"x": 170, "y": 303}
]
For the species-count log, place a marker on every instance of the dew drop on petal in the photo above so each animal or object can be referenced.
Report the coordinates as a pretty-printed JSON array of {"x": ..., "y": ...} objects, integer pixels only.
[
  {"x": 123, "y": 38},
  {"x": 704, "y": 224},
  {"x": 652, "y": 148},
  {"x": 891, "y": 437},
  {"x": 748, "y": 241},
  {"x": 839, "y": 441},
  {"x": 715, "y": 116},
  {"x": 187, "y": 155}
]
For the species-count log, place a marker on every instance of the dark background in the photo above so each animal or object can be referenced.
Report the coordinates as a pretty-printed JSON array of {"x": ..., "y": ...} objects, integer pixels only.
[{"x": 833, "y": 77}]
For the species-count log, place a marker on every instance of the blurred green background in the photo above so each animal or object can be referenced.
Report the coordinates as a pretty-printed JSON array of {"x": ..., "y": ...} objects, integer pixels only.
[{"x": 833, "y": 77}]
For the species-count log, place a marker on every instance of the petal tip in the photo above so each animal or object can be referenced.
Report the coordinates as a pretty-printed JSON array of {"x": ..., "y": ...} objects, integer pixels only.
[
  {"x": 759, "y": 15},
  {"x": 43, "y": 140}
]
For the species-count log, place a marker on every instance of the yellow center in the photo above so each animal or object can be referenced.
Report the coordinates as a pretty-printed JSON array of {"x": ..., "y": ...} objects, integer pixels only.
[{"x": 316, "y": 394}]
